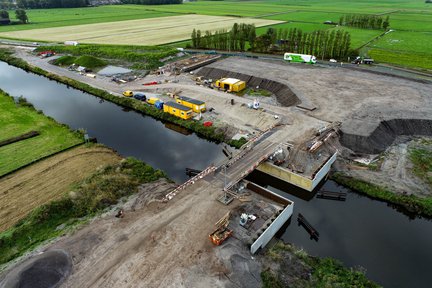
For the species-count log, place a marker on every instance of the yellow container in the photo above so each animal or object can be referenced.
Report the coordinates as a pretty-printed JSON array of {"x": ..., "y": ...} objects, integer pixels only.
[
  {"x": 230, "y": 84},
  {"x": 178, "y": 110},
  {"x": 196, "y": 105},
  {"x": 152, "y": 100}
]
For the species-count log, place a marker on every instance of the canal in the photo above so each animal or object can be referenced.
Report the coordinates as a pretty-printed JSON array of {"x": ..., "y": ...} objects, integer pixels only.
[
  {"x": 392, "y": 247},
  {"x": 128, "y": 132}
]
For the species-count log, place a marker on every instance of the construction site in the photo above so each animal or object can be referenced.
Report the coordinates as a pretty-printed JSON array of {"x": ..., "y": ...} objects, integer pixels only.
[{"x": 206, "y": 232}]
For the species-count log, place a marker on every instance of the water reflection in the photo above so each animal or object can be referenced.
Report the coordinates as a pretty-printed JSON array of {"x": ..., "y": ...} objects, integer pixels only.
[
  {"x": 394, "y": 248},
  {"x": 130, "y": 133}
]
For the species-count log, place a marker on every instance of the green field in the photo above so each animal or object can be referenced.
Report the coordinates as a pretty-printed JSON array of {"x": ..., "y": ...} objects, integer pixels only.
[
  {"x": 15, "y": 120},
  {"x": 46, "y": 18},
  {"x": 412, "y": 20}
]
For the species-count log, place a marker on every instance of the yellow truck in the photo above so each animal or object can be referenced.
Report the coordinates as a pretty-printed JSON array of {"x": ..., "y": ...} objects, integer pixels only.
[
  {"x": 230, "y": 84},
  {"x": 177, "y": 110},
  {"x": 196, "y": 105}
]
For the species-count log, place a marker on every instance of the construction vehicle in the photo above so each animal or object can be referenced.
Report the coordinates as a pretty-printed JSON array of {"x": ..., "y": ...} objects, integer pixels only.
[
  {"x": 299, "y": 58},
  {"x": 222, "y": 231}
]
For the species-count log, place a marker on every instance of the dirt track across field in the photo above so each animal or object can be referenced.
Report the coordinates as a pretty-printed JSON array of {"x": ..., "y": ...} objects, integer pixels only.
[{"x": 48, "y": 180}]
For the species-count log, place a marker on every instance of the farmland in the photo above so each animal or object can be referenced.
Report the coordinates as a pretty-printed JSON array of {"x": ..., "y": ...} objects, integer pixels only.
[
  {"x": 411, "y": 19},
  {"x": 48, "y": 180},
  {"x": 152, "y": 31},
  {"x": 18, "y": 119}
]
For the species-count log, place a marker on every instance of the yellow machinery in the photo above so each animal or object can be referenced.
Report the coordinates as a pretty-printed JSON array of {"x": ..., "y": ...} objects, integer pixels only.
[
  {"x": 196, "y": 105},
  {"x": 178, "y": 110},
  {"x": 230, "y": 84},
  {"x": 222, "y": 231}
]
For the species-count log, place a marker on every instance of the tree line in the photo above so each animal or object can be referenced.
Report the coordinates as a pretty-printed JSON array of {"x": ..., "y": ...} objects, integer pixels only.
[
  {"x": 243, "y": 37},
  {"x": 152, "y": 2},
  {"x": 365, "y": 21},
  {"x": 20, "y": 14},
  {"x": 41, "y": 4}
]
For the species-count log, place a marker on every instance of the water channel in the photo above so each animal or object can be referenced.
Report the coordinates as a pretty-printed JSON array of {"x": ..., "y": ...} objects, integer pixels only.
[{"x": 392, "y": 247}]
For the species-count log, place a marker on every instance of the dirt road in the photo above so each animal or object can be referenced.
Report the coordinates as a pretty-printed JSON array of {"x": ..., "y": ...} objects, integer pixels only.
[
  {"x": 156, "y": 245},
  {"x": 48, "y": 180}
]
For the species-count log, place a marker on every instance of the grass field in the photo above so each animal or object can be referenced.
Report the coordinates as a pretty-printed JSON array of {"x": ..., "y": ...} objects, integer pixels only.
[
  {"x": 48, "y": 180},
  {"x": 413, "y": 17},
  {"x": 136, "y": 32},
  {"x": 45, "y": 18},
  {"x": 16, "y": 120}
]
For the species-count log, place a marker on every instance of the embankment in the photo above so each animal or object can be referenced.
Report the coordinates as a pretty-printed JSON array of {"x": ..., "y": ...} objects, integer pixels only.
[
  {"x": 385, "y": 134},
  {"x": 284, "y": 95}
]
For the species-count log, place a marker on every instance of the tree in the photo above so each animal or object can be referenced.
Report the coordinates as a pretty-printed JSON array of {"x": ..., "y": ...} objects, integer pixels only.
[
  {"x": 252, "y": 37},
  {"x": 4, "y": 14},
  {"x": 21, "y": 15},
  {"x": 386, "y": 23},
  {"x": 193, "y": 36},
  {"x": 4, "y": 17},
  {"x": 198, "y": 39}
]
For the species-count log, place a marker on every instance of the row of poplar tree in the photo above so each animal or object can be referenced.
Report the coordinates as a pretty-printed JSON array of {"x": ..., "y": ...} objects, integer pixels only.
[
  {"x": 242, "y": 37},
  {"x": 365, "y": 21}
]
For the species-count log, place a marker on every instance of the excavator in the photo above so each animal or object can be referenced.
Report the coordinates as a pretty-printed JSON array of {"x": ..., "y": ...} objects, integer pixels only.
[{"x": 222, "y": 231}]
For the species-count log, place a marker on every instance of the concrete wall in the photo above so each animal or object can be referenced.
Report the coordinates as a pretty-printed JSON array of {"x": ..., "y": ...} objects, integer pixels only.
[
  {"x": 323, "y": 171},
  {"x": 274, "y": 227},
  {"x": 296, "y": 179},
  {"x": 286, "y": 175}
]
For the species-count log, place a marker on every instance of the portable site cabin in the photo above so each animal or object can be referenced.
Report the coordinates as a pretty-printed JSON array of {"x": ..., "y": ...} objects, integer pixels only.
[
  {"x": 178, "y": 110},
  {"x": 196, "y": 105},
  {"x": 231, "y": 84}
]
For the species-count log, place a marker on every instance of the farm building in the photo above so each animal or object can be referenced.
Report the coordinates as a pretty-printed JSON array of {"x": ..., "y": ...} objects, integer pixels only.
[
  {"x": 196, "y": 105},
  {"x": 231, "y": 84},
  {"x": 178, "y": 110}
]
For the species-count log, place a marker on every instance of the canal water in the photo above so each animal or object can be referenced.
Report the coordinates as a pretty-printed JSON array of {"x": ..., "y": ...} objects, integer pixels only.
[
  {"x": 394, "y": 249},
  {"x": 128, "y": 132}
]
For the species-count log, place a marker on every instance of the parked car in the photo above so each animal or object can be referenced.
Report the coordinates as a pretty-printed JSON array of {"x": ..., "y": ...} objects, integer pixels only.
[
  {"x": 333, "y": 60},
  {"x": 140, "y": 96},
  {"x": 128, "y": 93}
]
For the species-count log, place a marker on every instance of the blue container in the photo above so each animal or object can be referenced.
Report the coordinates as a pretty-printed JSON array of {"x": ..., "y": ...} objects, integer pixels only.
[{"x": 159, "y": 105}]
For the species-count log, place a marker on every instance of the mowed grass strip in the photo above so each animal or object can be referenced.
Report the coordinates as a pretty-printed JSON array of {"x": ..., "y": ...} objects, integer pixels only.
[
  {"x": 16, "y": 120},
  {"x": 137, "y": 32},
  {"x": 48, "y": 180}
]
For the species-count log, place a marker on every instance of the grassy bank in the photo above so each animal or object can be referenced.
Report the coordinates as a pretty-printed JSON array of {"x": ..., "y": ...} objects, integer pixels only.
[
  {"x": 411, "y": 203},
  {"x": 89, "y": 198},
  {"x": 19, "y": 118},
  {"x": 292, "y": 267},
  {"x": 422, "y": 160},
  {"x": 211, "y": 133},
  {"x": 147, "y": 56},
  {"x": 89, "y": 62}
]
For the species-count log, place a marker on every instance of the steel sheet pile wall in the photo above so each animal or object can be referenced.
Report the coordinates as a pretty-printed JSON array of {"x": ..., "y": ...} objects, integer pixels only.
[
  {"x": 285, "y": 96},
  {"x": 384, "y": 135}
]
